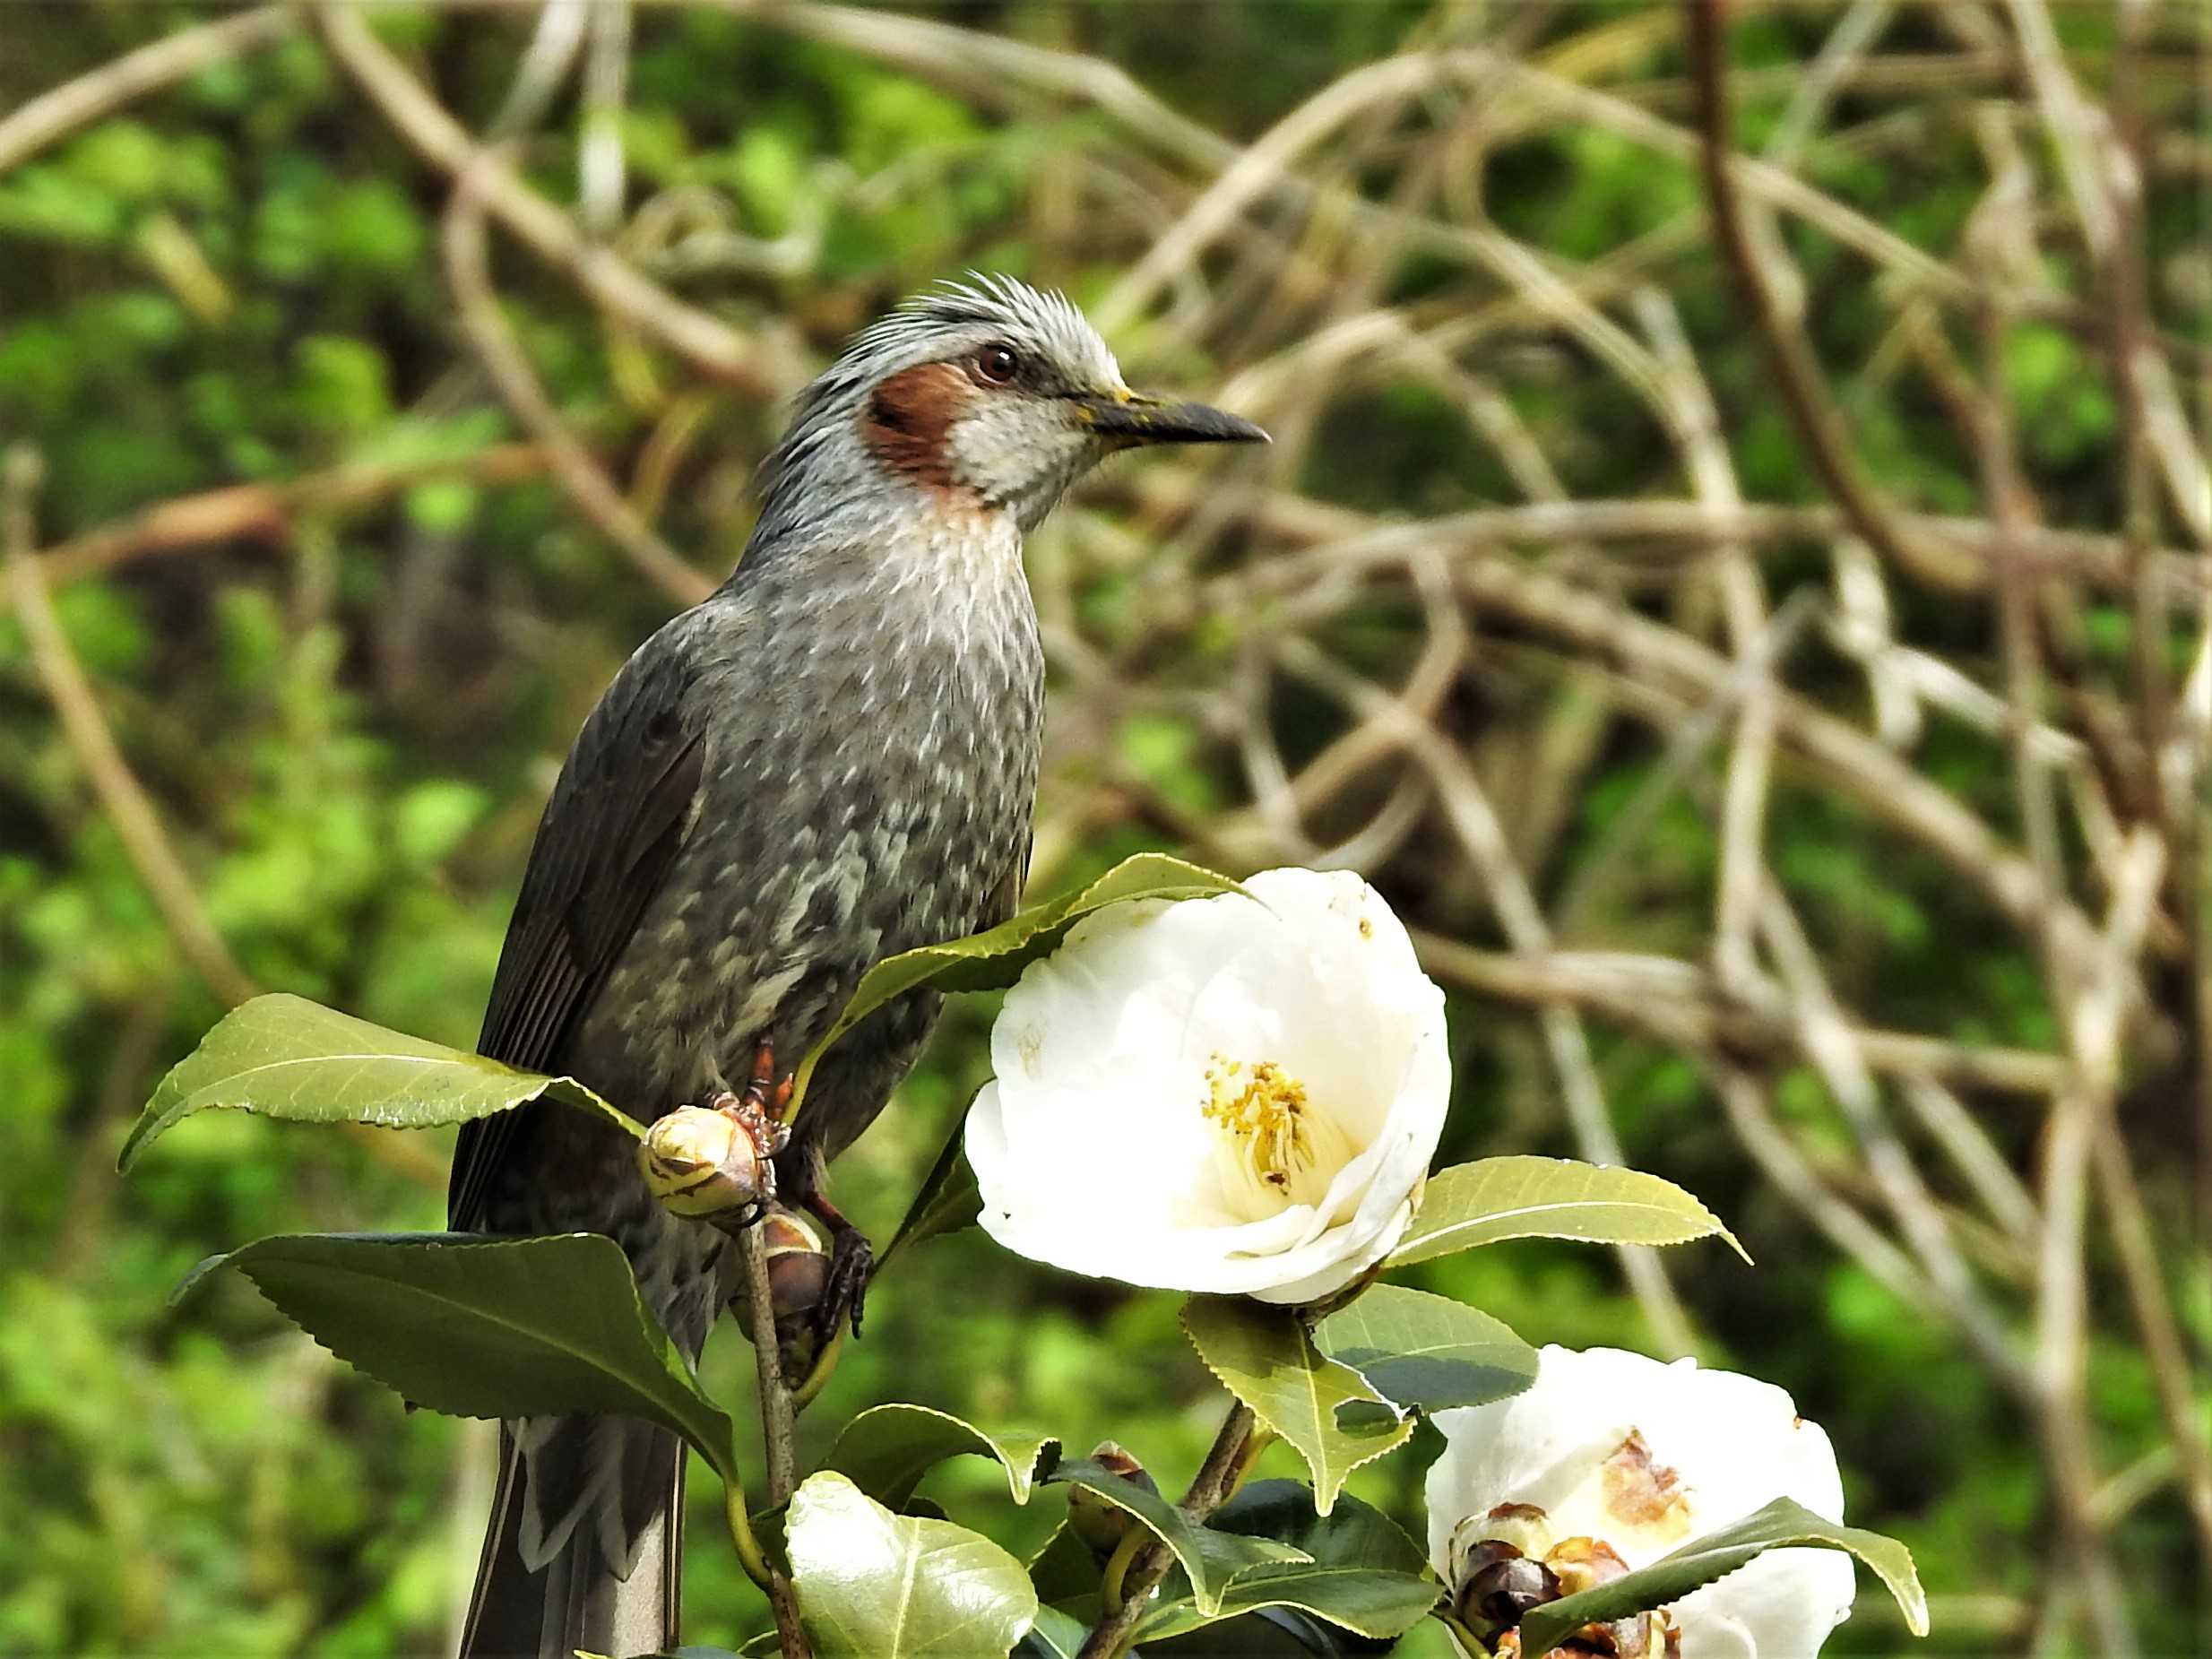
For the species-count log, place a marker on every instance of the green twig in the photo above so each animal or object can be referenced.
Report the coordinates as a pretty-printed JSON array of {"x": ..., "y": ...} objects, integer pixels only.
[
  {"x": 818, "y": 1378},
  {"x": 756, "y": 1564},
  {"x": 1109, "y": 1585}
]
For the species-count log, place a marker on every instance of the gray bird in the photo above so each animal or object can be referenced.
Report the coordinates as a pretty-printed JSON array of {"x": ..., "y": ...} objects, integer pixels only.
[{"x": 832, "y": 758}]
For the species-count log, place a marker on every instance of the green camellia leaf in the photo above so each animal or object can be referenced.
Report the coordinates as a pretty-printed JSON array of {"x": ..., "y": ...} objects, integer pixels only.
[
  {"x": 1524, "y": 1197},
  {"x": 1211, "y": 1558},
  {"x": 1365, "y": 1575},
  {"x": 1370, "y": 1601},
  {"x": 1270, "y": 1632},
  {"x": 1352, "y": 1533},
  {"x": 1056, "y": 1635},
  {"x": 872, "y": 1585},
  {"x": 478, "y": 1327},
  {"x": 1266, "y": 1356},
  {"x": 993, "y": 961},
  {"x": 948, "y": 1200},
  {"x": 1426, "y": 1352},
  {"x": 1065, "y": 1567},
  {"x": 887, "y": 1450},
  {"x": 285, "y": 1057},
  {"x": 1781, "y": 1525}
]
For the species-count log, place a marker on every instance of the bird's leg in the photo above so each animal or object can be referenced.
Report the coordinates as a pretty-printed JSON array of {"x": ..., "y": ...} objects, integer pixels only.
[
  {"x": 765, "y": 1093},
  {"x": 853, "y": 1263},
  {"x": 799, "y": 1178},
  {"x": 852, "y": 1259}
]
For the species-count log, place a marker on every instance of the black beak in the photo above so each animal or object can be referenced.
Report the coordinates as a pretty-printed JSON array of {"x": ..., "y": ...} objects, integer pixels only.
[{"x": 1147, "y": 420}]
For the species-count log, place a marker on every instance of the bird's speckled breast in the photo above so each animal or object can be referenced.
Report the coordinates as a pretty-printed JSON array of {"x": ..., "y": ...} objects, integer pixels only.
[{"x": 873, "y": 737}]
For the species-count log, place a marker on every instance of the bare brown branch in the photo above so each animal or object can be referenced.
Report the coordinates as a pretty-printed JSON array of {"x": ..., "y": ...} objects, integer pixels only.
[
  {"x": 572, "y": 464},
  {"x": 53, "y": 116}
]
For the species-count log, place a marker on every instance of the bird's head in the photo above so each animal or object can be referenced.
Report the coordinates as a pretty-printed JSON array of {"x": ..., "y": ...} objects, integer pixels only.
[{"x": 979, "y": 397}]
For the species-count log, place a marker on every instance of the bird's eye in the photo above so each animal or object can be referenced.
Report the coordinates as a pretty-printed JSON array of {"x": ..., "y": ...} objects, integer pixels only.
[{"x": 995, "y": 365}]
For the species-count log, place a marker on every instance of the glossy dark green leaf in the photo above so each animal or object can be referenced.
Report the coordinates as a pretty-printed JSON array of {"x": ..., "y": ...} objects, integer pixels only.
[
  {"x": 1370, "y": 1601},
  {"x": 478, "y": 1327},
  {"x": 948, "y": 1200},
  {"x": 1365, "y": 1575},
  {"x": 1210, "y": 1558},
  {"x": 1426, "y": 1352},
  {"x": 1266, "y": 1356},
  {"x": 1055, "y": 1634},
  {"x": 1065, "y": 1567},
  {"x": 994, "y": 960},
  {"x": 1781, "y": 1525},
  {"x": 1524, "y": 1197},
  {"x": 872, "y": 1585},
  {"x": 1265, "y": 1633},
  {"x": 1352, "y": 1533},
  {"x": 888, "y": 1450},
  {"x": 285, "y": 1057}
]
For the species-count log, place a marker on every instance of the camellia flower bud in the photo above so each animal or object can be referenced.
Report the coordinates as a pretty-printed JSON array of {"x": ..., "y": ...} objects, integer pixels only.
[
  {"x": 1275, "y": 1062},
  {"x": 1610, "y": 1461},
  {"x": 709, "y": 1161},
  {"x": 1498, "y": 1568},
  {"x": 1500, "y": 1588},
  {"x": 799, "y": 1269},
  {"x": 1091, "y": 1517}
]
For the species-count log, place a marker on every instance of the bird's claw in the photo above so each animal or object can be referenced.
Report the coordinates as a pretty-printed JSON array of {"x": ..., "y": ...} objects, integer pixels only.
[{"x": 853, "y": 1263}]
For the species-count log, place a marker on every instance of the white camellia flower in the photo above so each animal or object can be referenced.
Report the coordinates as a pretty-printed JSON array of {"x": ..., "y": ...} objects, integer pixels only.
[
  {"x": 1611, "y": 1460},
  {"x": 1231, "y": 1094}
]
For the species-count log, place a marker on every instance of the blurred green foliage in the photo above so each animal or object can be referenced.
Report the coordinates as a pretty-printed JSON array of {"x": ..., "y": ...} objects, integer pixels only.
[{"x": 350, "y": 736}]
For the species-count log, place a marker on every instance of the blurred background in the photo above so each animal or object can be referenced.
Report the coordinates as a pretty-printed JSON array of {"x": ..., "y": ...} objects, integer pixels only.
[{"x": 1731, "y": 568}]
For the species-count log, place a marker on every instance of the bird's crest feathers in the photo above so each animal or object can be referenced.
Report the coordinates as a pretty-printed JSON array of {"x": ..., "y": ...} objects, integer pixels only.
[{"x": 939, "y": 322}]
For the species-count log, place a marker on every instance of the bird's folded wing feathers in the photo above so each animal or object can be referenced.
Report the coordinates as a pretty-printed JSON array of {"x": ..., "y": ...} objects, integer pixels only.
[{"x": 609, "y": 836}]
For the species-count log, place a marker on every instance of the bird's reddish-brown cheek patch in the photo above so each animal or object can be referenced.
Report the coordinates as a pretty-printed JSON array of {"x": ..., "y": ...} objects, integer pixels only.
[{"x": 909, "y": 421}]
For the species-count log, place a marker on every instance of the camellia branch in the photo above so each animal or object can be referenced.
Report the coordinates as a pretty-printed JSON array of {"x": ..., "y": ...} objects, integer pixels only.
[
  {"x": 776, "y": 1428},
  {"x": 709, "y": 1165}
]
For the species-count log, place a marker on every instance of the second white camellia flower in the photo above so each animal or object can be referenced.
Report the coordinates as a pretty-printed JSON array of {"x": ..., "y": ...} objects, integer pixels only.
[
  {"x": 1220, "y": 1095},
  {"x": 1608, "y": 1462}
]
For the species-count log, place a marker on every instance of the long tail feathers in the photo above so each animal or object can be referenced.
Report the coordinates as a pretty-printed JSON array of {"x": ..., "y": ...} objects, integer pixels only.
[{"x": 584, "y": 1545}]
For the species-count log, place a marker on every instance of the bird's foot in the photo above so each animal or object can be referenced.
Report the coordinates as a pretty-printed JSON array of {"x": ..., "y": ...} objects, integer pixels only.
[
  {"x": 853, "y": 1263},
  {"x": 768, "y": 1133}
]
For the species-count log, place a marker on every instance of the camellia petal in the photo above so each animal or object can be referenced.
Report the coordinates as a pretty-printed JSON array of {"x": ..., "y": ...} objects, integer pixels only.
[
  {"x": 1616, "y": 1450},
  {"x": 1237, "y": 1095}
]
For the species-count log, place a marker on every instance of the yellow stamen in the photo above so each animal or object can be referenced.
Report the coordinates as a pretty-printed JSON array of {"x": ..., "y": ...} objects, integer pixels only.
[{"x": 1265, "y": 1117}]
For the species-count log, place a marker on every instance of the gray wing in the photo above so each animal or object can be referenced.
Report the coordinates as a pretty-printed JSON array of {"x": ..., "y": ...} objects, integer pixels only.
[{"x": 609, "y": 834}]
